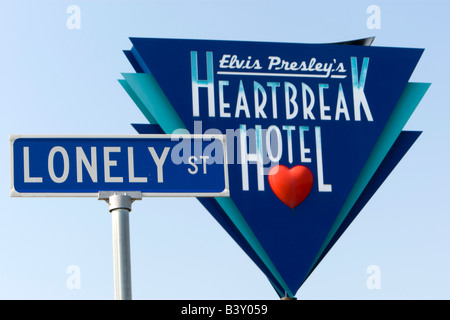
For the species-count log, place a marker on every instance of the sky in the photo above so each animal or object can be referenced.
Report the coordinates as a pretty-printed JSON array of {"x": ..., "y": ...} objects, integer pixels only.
[{"x": 60, "y": 76}]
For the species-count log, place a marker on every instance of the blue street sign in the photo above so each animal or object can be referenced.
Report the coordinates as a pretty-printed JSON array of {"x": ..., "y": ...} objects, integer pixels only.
[{"x": 155, "y": 165}]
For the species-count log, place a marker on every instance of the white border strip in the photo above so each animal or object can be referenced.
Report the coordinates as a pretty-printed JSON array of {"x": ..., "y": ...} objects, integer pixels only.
[{"x": 272, "y": 74}]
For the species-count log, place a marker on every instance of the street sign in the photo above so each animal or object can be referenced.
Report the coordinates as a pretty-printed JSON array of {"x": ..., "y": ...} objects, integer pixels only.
[{"x": 83, "y": 166}]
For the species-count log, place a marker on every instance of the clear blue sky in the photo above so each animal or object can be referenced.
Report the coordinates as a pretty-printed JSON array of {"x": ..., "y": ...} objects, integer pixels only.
[{"x": 57, "y": 80}]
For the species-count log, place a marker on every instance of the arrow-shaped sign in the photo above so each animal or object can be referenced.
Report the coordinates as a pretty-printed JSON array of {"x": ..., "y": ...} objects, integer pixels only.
[{"x": 320, "y": 119}]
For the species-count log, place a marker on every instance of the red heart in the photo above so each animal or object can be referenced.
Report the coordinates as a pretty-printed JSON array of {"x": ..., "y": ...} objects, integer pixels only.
[{"x": 291, "y": 186}]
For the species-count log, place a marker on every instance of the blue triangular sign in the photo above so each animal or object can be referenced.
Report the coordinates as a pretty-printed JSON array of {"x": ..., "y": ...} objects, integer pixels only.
[{"x": 308, "y": 130}]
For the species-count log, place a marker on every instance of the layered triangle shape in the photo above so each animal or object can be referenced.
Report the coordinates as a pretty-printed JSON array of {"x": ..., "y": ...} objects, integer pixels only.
[{"x": 336, "y": 110}]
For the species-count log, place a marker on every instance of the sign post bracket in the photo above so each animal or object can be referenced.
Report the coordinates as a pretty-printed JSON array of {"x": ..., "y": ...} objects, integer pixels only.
[{"x": 120, "y": 207}]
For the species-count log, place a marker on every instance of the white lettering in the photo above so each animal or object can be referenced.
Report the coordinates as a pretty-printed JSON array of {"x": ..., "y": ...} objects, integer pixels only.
[
  {"x": 159, "y": 161},
  {"x": 359, "y": 98},
  {"x": 110, "y": 163},
  {"x": 246, "y": 157},
  {"x": 191, "y": 161},
  {"x": 242, "y": 102},
  {"x": 131, "y": 177},
  {"x": 91, "y": 167},
  {"x": 208, "y": 84},
  {"x": 307, "y": 108},
  {"x": 26, "y": 167},
  {"x": 51, "y": 169},
  {"x": 303, "y": 150},
  {"x": 259, "y": 106},
  {"x": 289, "y": 130},
  {"x": 341, "y": 105},
  {"x": 204, "y": 158},
  {"x": 323, "y": 108},
  {"x": 290, "y": 99},
  {"x": 270, "y": 143},
  {"x": 322, "y": 186},
  {"x": 222, "y": 104}
]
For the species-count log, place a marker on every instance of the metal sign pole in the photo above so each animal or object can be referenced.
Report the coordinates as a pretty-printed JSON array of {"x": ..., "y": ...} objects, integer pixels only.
[{"x": 120, "y": 207}]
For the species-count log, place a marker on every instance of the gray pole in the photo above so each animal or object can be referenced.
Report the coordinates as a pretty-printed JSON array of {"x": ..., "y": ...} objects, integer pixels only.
[{"x": 120, "y": 207}]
